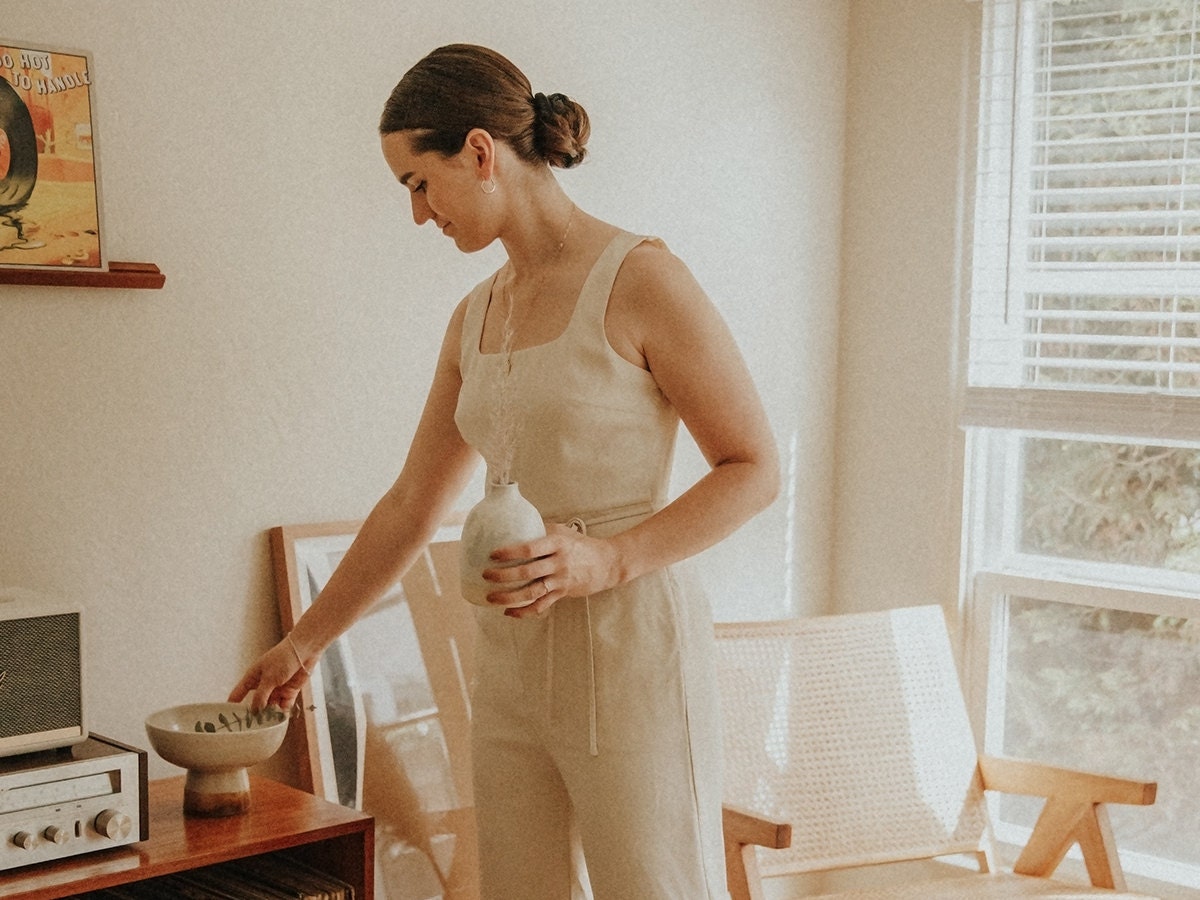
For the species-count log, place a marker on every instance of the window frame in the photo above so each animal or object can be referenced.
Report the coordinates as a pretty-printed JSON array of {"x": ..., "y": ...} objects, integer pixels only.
[{"x": 1001, "y": 410}]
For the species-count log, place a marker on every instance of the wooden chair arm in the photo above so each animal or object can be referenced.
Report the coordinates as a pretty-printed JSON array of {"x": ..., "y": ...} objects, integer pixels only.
[
  {"x": 1074, "y": 813},
  {"x": 744, "y": 831},
  {"x": 1022, "y": 776},
  {"x": 746, "y": 827}
]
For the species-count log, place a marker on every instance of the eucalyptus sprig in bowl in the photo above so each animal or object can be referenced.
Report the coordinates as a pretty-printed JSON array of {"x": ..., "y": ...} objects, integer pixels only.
[
  {"x": 216, "y": 743},
  {"x": 243, "y": 721}
]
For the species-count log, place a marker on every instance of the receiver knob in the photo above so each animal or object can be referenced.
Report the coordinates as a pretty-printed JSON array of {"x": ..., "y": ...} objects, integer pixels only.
[
  {"x": 114, "y": 824},
  {"x": 56, "y": 835},
  {"x": 24, "y": 840}
]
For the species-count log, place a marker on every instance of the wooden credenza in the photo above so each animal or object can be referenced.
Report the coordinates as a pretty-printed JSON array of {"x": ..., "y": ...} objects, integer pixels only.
[{"x": 332, "y": 838}]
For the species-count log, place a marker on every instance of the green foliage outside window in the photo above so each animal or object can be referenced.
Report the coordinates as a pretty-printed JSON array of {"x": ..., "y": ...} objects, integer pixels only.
[
  {"x": 1114, "y": 692},
  {"x": 1122, "y": 503},
  {"x": 1104, "y": 689}
]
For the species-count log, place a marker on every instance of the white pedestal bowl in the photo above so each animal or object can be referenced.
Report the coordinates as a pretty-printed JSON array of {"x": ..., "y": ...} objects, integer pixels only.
[{"x": 216, "y": 743}]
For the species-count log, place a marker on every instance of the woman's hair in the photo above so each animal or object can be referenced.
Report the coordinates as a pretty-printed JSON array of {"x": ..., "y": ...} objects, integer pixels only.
[{"x": 461, "y": 86}]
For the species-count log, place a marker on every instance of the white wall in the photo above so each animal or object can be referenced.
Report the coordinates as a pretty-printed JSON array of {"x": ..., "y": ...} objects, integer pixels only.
[
  {"x": 910, "y": 124},
  {"x": 149, "y": 438}
]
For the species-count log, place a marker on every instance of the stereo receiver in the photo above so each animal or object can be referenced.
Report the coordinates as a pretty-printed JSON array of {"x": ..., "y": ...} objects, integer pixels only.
[{"x": 59, "y": 803}]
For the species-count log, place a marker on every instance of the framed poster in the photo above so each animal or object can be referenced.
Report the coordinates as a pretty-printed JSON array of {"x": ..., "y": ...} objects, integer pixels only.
[{"x": 49, "y": 189}]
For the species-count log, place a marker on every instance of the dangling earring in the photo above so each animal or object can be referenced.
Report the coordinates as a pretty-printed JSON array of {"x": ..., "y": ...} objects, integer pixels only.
[{"x": 487, "y": 186}]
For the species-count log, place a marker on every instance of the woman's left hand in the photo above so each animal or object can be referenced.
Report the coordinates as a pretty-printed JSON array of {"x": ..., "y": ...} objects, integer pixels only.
[{"x": 564, "y": 563}]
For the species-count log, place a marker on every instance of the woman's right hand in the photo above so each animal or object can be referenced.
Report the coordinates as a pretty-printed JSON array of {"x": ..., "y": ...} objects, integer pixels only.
[{"x": 275, "y": 679}]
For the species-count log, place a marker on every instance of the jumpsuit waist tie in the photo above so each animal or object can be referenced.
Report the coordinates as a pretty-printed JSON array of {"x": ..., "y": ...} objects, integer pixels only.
[{"x": 640, "y": 511}]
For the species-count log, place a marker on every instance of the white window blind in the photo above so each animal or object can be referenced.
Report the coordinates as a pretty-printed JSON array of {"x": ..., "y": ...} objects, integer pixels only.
[{"x": 1087, "y": 231}]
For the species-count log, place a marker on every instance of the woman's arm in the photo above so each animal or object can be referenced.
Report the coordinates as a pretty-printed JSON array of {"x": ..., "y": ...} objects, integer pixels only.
[
  {"x": 660, "y": 318},
  {"x": 660, "y": 312},
  {"x": 402, "y": 523}
]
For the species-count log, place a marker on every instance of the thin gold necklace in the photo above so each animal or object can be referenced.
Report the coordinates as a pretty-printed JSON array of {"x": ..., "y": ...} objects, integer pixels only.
[
  {"x": 508, "y": 334},
  {"x": 504, "y": 424}
]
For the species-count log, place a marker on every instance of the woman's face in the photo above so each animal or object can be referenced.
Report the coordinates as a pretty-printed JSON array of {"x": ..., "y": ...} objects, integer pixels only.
[{"x": 443, "y": 190}]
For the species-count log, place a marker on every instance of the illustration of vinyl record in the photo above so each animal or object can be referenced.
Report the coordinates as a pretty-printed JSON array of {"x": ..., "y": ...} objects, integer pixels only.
[{"x": 18, "y": 145}]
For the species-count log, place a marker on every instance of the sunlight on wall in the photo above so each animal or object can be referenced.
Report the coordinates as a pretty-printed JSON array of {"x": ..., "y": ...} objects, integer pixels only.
[{"x": 791, "y": 532}]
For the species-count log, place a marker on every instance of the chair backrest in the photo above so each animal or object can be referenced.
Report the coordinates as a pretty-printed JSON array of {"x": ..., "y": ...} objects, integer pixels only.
[{"x": 853, "y": 729}]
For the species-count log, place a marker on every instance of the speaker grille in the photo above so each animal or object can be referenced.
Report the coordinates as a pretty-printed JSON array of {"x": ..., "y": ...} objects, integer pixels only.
[{"x": 39, "y": 674}]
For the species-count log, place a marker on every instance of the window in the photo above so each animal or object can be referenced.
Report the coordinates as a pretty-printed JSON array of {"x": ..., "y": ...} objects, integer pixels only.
[{"x": 1082, "y": 404}]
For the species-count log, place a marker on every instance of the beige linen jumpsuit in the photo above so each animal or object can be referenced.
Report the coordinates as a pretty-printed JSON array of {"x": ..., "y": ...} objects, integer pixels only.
[{"x": 601, "y": 716}]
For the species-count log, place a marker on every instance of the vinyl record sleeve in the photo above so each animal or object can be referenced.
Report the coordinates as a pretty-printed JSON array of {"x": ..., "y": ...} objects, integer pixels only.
[{"x": 50, "y": 211}]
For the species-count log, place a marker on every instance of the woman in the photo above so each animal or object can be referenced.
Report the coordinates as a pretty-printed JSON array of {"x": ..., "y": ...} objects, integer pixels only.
[{"x": 594, "y": 708}]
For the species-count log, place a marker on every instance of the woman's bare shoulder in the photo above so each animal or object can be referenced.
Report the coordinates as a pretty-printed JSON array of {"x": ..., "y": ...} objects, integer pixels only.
[
  {"x": 652, "y": 275},
  {"x": 655, "y": 297}
]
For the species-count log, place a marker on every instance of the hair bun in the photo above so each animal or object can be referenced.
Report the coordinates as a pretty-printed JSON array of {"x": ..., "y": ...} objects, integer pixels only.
[
  {"x": 560, "y": 129},
  {"x": 458, "y": 87}
]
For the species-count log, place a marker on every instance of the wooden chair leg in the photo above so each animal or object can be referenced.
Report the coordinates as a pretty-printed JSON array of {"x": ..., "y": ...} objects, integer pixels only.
[
  {"x": 1100, "y": 849},
  {"x": 1064, "y": 823}
]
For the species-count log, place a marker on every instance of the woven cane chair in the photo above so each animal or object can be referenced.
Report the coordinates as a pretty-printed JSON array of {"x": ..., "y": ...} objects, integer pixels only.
[{"x": 852, "y": 729}]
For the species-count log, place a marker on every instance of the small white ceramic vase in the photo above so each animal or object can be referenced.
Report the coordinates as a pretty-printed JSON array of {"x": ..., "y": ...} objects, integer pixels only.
[{"x": 501, "y": 518}]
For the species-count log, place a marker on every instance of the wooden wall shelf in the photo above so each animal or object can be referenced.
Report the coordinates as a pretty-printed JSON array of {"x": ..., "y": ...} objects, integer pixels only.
[
  {"x": 117, "y": 275},
  {"x": 332, "y": 838}
]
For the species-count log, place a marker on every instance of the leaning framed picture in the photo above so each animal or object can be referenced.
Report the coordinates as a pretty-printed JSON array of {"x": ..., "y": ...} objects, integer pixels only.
[
  {"x": 50, "y": 211},
  {"x": 387, "y": 710}
]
